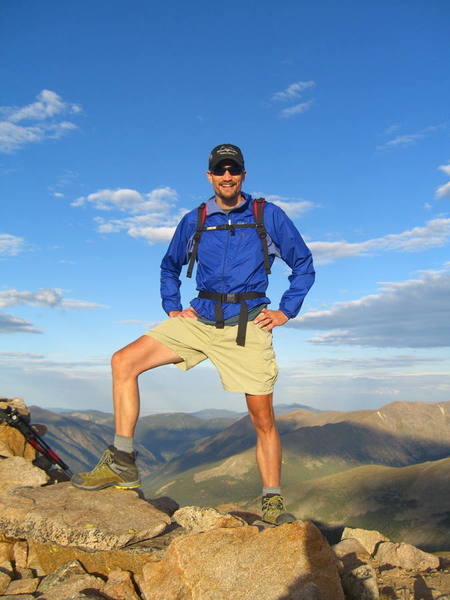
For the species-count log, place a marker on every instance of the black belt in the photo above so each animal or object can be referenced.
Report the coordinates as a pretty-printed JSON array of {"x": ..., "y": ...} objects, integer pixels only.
[{"x": 238, "y": 298}]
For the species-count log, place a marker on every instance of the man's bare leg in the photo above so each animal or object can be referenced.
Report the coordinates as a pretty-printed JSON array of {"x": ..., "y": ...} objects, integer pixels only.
[
  {"x": 127, "y": 364},
  {"x": 268, "y": 445}
]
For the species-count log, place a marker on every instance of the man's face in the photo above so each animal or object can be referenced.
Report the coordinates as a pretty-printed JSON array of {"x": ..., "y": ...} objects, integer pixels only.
[{"x": 226, "y": 181}]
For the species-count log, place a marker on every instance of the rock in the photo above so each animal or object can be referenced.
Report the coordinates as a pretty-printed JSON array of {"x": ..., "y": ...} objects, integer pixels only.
[
  {"x": 197, "y": 519},
  {"x": 62, "y": 574},
  {"x": 5, "y": 551},
  {"x": 12, "y": 440},
  {"x": 368, "y": 538},
  {"x": 165, "y": 504},
  {"x": 358, "y": 577},
  {"x": 405, "y": 556},
  {"x": 241, "y": 563},
  {"x": 120, "y": 586},
  {"x": 67, "y": 581},
  {"x": 20, "y": 554},
  {"x": 90, "y": 595},
  {"x": 350, "y": 547},
  {"x": 18, "y": 471},
  {"x": 20, "y": 597},
  {"x": 46, "y": 558},
  {"x": 65, "y": 515},
  {"x": 23, "y": 586},
  {"x": 23, "y": 573},
  {"x": 5, "y": 579},
  {"x": 360, "y": 583},
  {"x": 73, "y": 586}
]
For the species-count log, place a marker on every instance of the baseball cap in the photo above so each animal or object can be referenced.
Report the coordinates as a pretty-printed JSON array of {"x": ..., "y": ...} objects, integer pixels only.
[{"x": 225, "y": 152}]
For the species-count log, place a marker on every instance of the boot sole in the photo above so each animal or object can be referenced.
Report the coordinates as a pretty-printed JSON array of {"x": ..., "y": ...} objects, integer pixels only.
[{"x": 117, "y": 485}]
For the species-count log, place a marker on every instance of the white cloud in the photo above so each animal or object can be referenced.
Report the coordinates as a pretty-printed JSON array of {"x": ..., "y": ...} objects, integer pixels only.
[
  {"x": 43, "y": 121},
  {"x": 435, "y": 233},
  {"x": 10, "y": 245},
  {"x": 157, "y": 201},
  {"x": 154, "y": 215},
  {"x": 293, "y": 91},
  {"x": 291, "y": 206},
  {"x": 445, "y": 169},
  {"x": 152, "y": 234},
  {"x": 11, "y": 324},
  {"x": 408, "y": 314},
  {"x": 443, "y": 191},
  {"x": 408, "y": 139},
  {"x": 50, "y": 297},
  {"x": 297, "y": 109}
]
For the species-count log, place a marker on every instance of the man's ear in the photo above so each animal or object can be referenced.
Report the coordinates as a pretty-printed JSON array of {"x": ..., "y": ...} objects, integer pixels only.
[{"x": 209, "y": 177}]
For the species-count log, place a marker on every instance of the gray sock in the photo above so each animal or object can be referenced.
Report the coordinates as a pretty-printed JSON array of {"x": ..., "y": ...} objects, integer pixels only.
[
  {"x": 271, "y": 490},
  {"x": 123, "y": 443}
]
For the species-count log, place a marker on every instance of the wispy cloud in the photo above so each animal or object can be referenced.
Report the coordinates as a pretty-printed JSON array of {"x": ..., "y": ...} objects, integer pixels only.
[
  {"x": 297, "y": 109},
  {"x": 10, "y": 245},
  {"x": 155, "y": 215},
  {"x": 35, "y": 122},
  {"x": 293, "y": 91},
  {"x": 445, "y": 169},
  {"x": 291, "y": 206},
  {"x": 444, "y": 190},
  {"x": 435, "y": 233},
  {"x": 408, "y": 139},
  {"x": 11, "y": 324},
  {"x": 50, "y": 298},
  {"x": 408, "y": 314},
  {"x": 35, "y": 363}
]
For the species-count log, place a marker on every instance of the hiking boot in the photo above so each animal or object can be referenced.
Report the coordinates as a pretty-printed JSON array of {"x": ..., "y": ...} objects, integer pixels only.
[
  {"x": 115, "y": 468},
  {"x": 273, "y": 510}
]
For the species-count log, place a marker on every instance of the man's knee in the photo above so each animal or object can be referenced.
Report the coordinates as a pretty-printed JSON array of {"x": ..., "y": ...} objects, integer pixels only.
[{"x": 263, "y": 419}]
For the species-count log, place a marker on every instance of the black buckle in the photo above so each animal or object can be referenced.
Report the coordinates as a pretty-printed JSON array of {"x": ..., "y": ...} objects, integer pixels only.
[{"x": 230, "y": 298}]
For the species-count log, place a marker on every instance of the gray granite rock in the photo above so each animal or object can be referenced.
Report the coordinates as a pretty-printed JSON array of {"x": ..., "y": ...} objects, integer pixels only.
[
  {"x": 197, "y": 519},
  {"x": 405, "y": 556},
  {"x": 65, "y": 515}
]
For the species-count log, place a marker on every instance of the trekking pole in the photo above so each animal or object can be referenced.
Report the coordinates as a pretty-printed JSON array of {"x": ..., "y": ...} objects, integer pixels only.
[{"x": 11, "y": 416}]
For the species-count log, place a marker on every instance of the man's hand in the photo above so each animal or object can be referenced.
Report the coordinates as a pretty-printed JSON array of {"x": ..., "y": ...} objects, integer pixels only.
[
  {"x": 268, "y": 319},
  {"x": 187, "y": 313}
]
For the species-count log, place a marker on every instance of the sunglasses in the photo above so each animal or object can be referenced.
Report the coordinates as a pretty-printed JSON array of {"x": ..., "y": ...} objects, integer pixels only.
[{"x": 233, "y": 170}]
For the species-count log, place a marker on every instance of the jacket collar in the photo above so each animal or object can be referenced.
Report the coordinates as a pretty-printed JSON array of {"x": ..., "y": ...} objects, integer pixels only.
[{"x": 211, "y": 205}]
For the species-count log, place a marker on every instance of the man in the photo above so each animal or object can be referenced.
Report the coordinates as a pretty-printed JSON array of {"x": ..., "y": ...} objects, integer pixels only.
[{"x": 235, "y": 240}]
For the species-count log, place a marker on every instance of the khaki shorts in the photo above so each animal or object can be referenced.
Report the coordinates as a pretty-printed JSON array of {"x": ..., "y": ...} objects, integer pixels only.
[{"x": 249, "y": 369}]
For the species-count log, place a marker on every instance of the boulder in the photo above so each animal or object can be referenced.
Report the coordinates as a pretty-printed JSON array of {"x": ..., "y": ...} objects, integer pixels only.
[
  {"x": 405, "y": 556},
  {"x": 23, "y": 586},
  {"x": 20, "y": 554},
  {"x": 241, "y": 563},
  {"x": 360, "y": 583},
  {"x": 120, "y": 586},
  {"x": 197, "y": 519},
  {"x": 5, "y": 580},
  {"x": 18, "y": 471},
  {"x": 12, "y": 441},
  {"x": 368, "y": 538},
  {"x": 67, "y": 581},
  {"x": 65, "y": 515}
]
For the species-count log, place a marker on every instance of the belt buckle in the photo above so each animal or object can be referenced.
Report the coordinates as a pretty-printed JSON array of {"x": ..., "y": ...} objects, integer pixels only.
[{"x": 230, "y": 298}]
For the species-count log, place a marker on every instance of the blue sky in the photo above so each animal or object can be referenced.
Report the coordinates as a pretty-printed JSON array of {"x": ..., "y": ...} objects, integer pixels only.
[{"x": 108, "y": 113}]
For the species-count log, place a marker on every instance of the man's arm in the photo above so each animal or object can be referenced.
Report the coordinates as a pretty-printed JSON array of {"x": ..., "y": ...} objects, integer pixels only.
[
  {"x": 297, "y": 256},
  {"x": 171, "y": 265}
]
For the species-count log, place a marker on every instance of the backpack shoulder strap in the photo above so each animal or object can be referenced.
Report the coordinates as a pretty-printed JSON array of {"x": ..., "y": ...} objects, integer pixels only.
[
  {"x": 258, "y": 211},
  {"x": 201, "y": 218}
]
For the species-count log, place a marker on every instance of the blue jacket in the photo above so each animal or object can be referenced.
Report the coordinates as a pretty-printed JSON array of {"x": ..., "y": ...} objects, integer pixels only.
[{"x": 231, "y": 262}]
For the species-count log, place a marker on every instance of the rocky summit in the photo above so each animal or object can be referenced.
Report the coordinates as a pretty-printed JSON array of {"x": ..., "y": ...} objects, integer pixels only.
[{"x": 61, "y": 543}]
